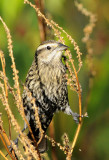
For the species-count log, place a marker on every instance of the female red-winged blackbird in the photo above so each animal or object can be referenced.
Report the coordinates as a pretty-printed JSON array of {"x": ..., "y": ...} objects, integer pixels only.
[{"x": 47, "y": 84}]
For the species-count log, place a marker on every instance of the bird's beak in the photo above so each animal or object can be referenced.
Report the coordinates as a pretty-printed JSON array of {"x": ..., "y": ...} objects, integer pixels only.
[{"x": 62, "y": 47}]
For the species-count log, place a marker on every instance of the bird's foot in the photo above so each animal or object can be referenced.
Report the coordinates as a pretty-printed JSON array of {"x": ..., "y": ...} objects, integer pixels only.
[
  {"x": 76, "y": 116},
  {"x": 16, "y": 142},
  {"x": 10, "y": 147}
]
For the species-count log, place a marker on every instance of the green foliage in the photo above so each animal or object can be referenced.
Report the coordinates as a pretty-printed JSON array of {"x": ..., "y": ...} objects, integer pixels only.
[
  {"x": 22, "y": 21},
  {"x": 10, "y": 10}
]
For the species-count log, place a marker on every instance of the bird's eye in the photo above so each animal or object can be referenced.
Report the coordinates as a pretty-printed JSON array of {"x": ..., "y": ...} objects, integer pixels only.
[{"x": 48, "y": 47}]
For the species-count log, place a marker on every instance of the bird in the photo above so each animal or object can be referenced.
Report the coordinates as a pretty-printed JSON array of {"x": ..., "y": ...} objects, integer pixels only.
[{"x": 48, "y": 86}]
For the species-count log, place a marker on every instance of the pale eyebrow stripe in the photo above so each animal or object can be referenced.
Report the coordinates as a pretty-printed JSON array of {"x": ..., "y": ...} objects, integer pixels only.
[{"x": 45, "y": 45}]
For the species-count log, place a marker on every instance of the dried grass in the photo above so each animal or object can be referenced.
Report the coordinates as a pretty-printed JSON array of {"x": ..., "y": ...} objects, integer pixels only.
[
  {"x": 72, "y": 81},
  {"x": 17, "y": 95},
  {"x": 88, "y": 29},
  {"x": 73, "y": 73},
  {"x": 37, "y": 120},
  {"x": 3, "y": 155}
]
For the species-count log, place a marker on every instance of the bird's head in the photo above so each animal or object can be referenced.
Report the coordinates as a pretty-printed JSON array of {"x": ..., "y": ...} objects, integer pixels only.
[{"x": 50, "y": 51}]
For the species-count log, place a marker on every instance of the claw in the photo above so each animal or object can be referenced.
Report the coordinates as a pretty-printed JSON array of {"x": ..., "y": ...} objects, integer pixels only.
[
  {"x": 76, "y": 116},
  {"x": 10, "y": 147},
  {"x": 15, "y": 142}
]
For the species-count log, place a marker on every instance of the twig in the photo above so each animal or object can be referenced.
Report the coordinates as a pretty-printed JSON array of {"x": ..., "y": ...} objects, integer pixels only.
[
  {"x": 87, "y": 31},
  {"x": 54, "y": 143},
  {"x": 5, "y": 83},
  {"x": 5, "y": 144},
  {"x": 3, "y": 135},
  {"x": 16, "y": 85},
  {"x": 80, "y": 107},
  {"x": 24, "y": 139},
  {"x": 35, "y": 108},
  {"x": 42, "y": 27},
  {"x": 3, "y": 155},
  {"x": 57, "y": 33},
  {"x": 52, "y": 134}
]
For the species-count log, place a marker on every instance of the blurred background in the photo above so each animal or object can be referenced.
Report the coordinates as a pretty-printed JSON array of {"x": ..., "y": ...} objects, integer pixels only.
[{"x": 93, "y": 141}]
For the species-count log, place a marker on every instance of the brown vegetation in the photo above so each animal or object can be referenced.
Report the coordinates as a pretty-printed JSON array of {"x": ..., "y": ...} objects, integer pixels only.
[{"x": 72, "y": 79}]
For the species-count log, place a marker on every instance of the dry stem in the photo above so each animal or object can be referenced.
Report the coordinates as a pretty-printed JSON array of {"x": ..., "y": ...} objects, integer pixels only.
[
  {"x": 15, "y": 78},
  {"x": 3, "y": 133},
  {"x": 52, "y": 24},
  {"x": 3, "y": 155},
  {"x": 42, "y": 27},
  {"x": 72, "y": 81}
]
